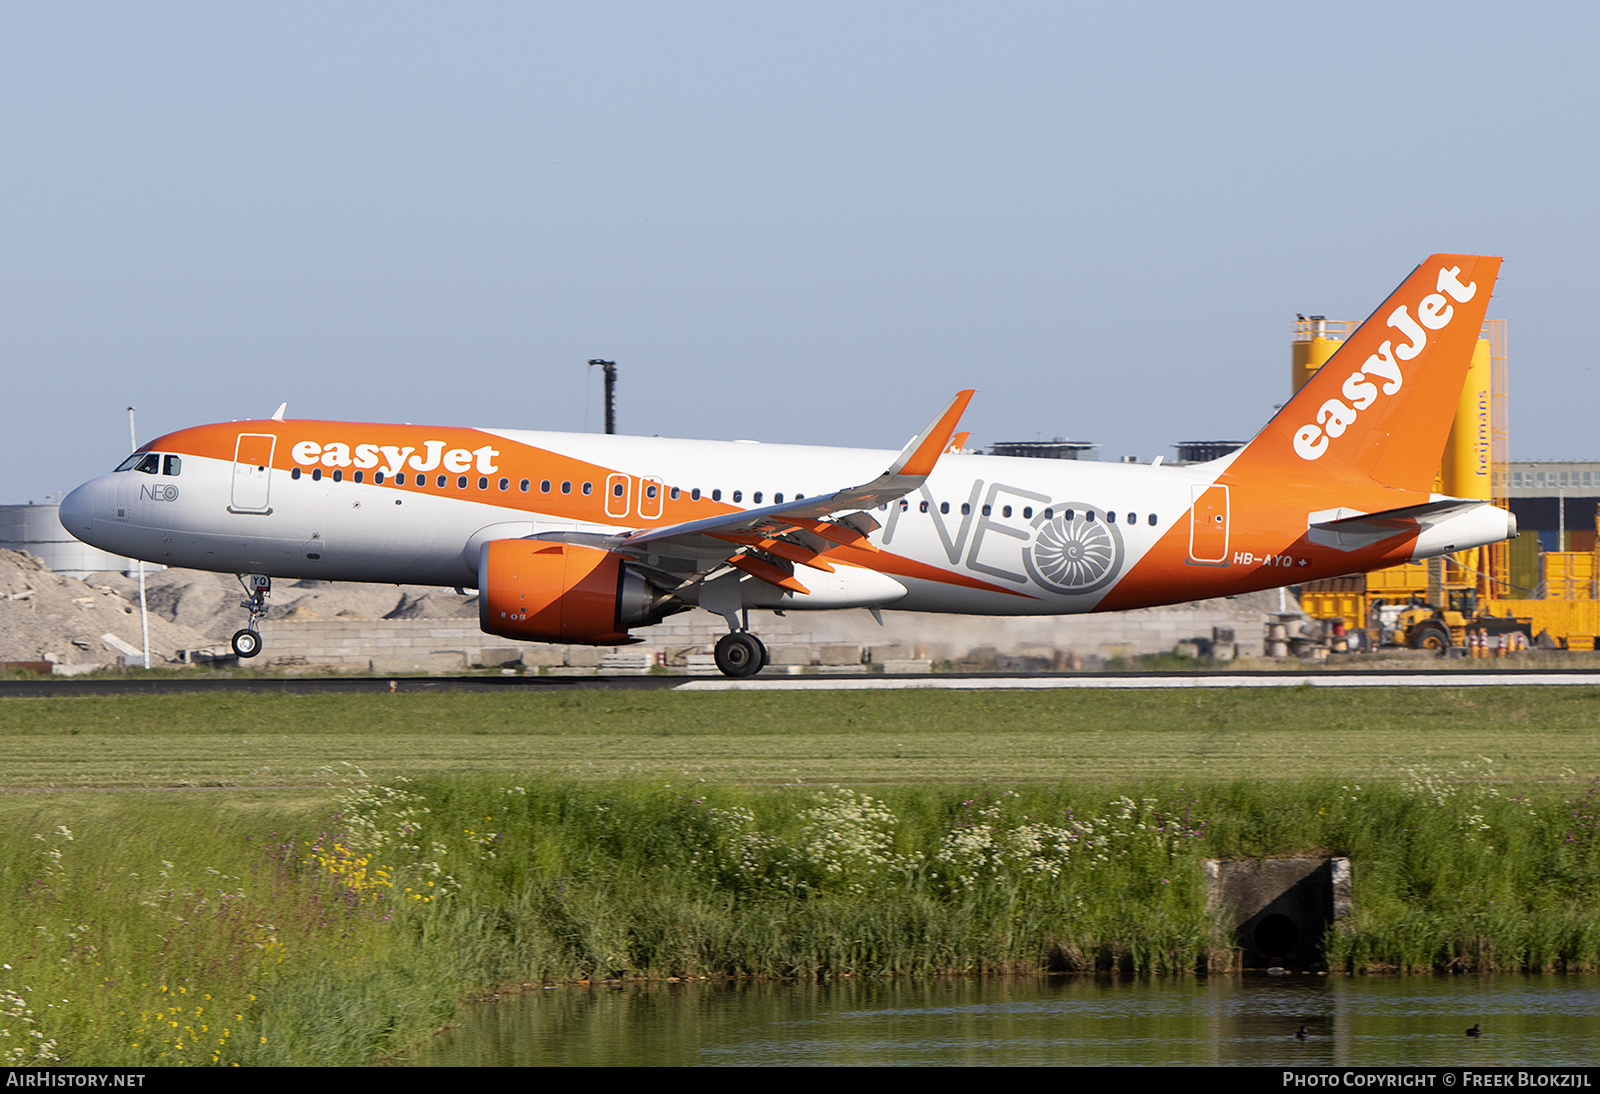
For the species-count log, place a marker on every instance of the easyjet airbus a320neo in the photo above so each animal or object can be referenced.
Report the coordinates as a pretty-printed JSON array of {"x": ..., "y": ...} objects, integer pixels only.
[{"x": 580, "y": 538}]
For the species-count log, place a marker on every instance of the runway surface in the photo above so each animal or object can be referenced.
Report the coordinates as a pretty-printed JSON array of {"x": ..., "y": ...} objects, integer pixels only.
[{"x": 50, "y": 687}]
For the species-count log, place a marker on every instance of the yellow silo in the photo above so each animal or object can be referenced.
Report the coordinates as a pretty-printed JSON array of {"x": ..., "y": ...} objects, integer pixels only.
[
  {"x": 1315, "y": 340},
  {"x": 1468, "y": 467}
]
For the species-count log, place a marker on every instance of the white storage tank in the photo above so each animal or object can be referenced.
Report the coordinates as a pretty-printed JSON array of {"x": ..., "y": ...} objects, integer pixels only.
[{"x": 37, "y": 529}]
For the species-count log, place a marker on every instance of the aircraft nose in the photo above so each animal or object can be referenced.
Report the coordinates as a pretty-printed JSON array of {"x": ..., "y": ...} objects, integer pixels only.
[{"x": 77, "y": 510}]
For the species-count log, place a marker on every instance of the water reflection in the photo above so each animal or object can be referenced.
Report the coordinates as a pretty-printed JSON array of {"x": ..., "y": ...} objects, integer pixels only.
[{"x": 1421, "y": 1021}]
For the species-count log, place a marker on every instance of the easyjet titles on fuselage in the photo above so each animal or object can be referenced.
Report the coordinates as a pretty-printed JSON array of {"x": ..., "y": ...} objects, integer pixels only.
[{"x": 395, "y": 457}]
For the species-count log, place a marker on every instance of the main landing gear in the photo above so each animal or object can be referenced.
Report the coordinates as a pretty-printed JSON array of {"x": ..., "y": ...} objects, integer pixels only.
[
  {"x": 257, "y": 587},
  {"x": 740, "y": 654}
]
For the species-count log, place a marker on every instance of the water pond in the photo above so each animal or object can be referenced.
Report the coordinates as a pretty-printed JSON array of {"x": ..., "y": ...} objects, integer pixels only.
[{"x": 1250, "y": 1020}]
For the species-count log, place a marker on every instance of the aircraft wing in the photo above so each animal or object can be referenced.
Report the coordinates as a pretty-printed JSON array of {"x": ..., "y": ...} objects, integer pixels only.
[{"x": 768, "y": 541}]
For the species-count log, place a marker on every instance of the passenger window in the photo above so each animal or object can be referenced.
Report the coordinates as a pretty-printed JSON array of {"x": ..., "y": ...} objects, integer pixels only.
[
  {"x": 966, "y": 509},
  {"x": 1089, "y": 516},
  {"x": 944, "y": 507},
  {"x": 1027, "y": 513},
  {"x": 505, "y": 484},
  {"x": 523, "y": 485},
  {"x": 461, "y": 483},
  {"x": 295, "y": 474},
  {"x": 694, "y": 495},
  {"x": 650, "y": 491},
  {"x": 443, "y": 479},
  {"x": 716, "y": 495},
  {"x": 617, "y": 489},
  {"x": 360, "y": 476},
  {"x": 316, "y": 474},
  {"x": 377, "y": 478},
  {"x": 338, "y": 476},
  {"x": 483, "y": 482},
  {"x": 544, "y": 486},
  {"x": 757, "y": 497},
  {"x": 673, "y": 493},
  {"x": 566, "y": 488},
  {"x": 588, "y": 488},
  {"x": 174, "y": 466},
  {"x": 777, "y": 499},
  {"x": 1111, "y": 518},
  {"x": 1152, "y": 520},
  {"x": 400, "y": 479},
  {"x": 904, "y": 505},
  {"x": 1133, "y": 518},
  {"x": 922, "y": 508},
  {"x": 1050, "y": 514},
  {"x": 986, "y": 510},
  {"x": 738, "y": 495},
  {"x": 1005, "y": 510}
]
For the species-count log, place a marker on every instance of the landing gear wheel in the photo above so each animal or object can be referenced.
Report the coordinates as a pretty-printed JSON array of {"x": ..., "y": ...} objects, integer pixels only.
[
  {"x": 1430, "y": 636},
  {"x": 740, "y": 654},
  {"x": 246, "y": 643}
]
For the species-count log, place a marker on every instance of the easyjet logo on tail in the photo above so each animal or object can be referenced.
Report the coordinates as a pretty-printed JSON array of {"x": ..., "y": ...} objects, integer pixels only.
[{"x": 1360, "y": 389}]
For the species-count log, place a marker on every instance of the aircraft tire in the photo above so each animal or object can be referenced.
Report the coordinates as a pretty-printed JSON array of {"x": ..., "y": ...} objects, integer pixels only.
[
  {"x": 740, "y": 654},
  {"x": 246, "y": 643},
  {"x": 1430, "y": 636}
]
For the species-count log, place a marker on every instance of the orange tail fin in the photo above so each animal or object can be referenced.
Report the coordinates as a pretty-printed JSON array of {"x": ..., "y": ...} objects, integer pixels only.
[{"x": 1381, "y": 408}]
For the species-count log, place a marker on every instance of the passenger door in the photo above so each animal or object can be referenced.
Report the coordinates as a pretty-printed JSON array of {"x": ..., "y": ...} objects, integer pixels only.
[{"x": 252, "y": 473}]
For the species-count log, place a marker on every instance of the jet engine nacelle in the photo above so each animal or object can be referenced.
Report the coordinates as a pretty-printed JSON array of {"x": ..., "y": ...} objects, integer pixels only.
[{"x": 544, "y": 591}]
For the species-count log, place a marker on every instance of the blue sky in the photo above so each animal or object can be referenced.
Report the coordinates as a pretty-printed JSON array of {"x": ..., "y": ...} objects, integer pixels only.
[{"x": 795, "y": 222}]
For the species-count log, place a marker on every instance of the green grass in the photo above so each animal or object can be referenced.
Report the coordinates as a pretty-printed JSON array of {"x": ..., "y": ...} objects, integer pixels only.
[
  {"x": 1534, "y": 734},
  {"x": 337, "y": 927},
  {"x": 303, "y": 913}
]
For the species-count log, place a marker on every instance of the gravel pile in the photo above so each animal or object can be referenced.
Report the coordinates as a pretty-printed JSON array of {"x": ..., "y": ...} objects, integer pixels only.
[{"x": 46, "y": 616}]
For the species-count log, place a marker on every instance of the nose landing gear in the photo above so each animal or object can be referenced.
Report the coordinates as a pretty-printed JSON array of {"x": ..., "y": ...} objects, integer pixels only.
[{"x": 257, "y": 587}]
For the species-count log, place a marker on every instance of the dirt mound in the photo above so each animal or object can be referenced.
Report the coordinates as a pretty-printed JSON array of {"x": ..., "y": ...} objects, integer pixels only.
[
  {"x": 47, "y": 617},
  {"x": 434, "y": 604},
  {"x": 209, "y": 603}
]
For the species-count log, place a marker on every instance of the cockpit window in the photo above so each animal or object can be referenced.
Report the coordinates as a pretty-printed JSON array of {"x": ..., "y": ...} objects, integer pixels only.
[
  {"x": 148, "y": 462},
  {"x": 172, "y": 465}
]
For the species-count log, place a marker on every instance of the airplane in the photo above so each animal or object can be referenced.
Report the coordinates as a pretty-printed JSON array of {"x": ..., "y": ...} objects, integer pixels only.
[{"x": 583, "y": 538}]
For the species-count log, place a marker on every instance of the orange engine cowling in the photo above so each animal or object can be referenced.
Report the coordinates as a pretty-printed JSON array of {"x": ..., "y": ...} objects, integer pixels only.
[{"x": 562, "y": 592}]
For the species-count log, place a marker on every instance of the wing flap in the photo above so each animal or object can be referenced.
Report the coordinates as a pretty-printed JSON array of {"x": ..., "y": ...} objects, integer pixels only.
[
  {"x": 799, "y": 531},
  {"x": 908, "y": 472}
]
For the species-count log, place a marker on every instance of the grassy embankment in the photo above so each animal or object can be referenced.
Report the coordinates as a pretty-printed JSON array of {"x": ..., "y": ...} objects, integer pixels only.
[{"x": 334, "y": 925}]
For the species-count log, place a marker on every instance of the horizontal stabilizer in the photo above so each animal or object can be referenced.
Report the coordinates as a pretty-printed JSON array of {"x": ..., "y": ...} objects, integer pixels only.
[{"x": 1462, "y": 522}]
